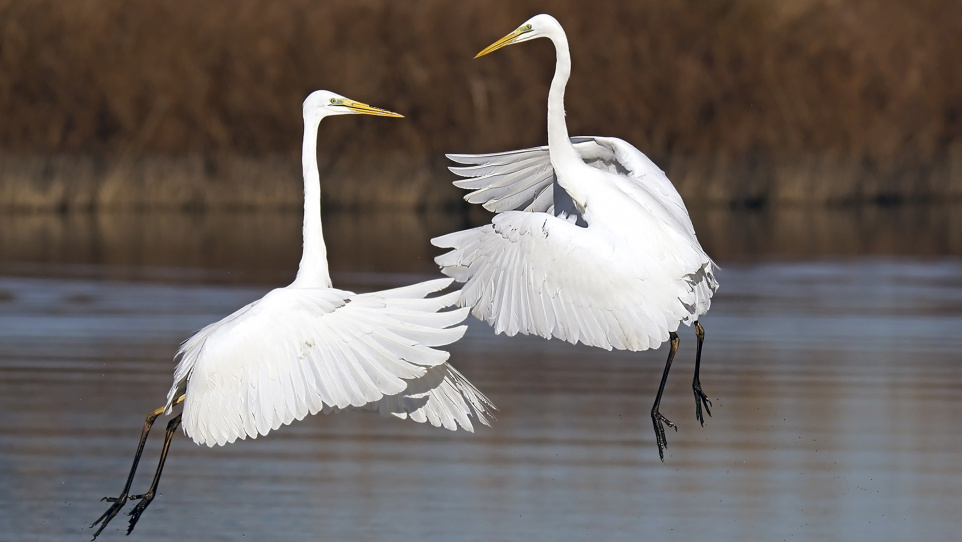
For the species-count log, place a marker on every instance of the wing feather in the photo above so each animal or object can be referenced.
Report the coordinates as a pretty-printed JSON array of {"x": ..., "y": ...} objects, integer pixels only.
[
  {"x": 302, "y": 351},
  {"x": 506, "y": 181},
  {"x": 524, "y": 180},
  {"x": 515, "y": 180},
  {"x": 537, "y": 274},
  {"x": 440, "y": 383},
  {"x": 264, "y": 403}
]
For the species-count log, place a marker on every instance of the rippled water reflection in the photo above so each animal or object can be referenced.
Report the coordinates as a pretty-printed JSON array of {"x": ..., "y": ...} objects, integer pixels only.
[{"x": 833, "y": 363}]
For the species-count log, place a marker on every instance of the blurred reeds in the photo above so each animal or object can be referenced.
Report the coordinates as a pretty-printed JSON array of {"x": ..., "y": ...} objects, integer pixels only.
[{"x": 177, "y": 104}]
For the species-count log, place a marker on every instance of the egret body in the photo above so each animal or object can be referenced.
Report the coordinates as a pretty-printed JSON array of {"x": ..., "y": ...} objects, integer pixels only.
[
  {"x": 591, "y": 242},
  {"x": 309, "y": 348}
]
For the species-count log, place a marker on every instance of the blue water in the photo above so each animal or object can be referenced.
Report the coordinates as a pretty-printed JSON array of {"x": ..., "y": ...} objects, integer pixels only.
[{"x": 836, "y": 385}]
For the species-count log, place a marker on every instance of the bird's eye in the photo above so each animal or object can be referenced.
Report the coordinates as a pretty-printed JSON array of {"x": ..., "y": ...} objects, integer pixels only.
[
  {"x": 333, "y": 101},
  {"x": 527, "y": 27}
]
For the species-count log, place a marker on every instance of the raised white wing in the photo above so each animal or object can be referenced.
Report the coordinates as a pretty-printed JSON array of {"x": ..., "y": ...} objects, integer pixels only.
[
  {"x": 639, "y": 178},
  {"x": 538, "y": 274},
  {"x": 524, "y": 180},
  {"x": 300, "y": 351},
  {"x": 515, "y": 180}
]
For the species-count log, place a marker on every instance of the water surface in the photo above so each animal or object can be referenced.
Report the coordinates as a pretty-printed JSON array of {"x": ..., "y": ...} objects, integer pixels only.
[{"x": 833, "y": 366}]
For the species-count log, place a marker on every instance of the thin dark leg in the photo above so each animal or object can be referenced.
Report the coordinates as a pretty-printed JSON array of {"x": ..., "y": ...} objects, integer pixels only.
[
  {"x": 656, "y": 418},
  {"x": 700, "y": 397},
  {"x": 146, "y": 498},
  {"x": 118, "y": 502}
]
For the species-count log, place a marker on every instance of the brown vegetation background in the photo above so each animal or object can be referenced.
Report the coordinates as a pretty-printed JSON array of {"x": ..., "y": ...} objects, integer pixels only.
[{"x": 113, "y": 103}]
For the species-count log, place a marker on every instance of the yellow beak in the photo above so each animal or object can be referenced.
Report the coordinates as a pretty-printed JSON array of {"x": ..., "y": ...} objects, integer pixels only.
[
  {"x": 503, "y": 42},
  {"x": 364, "y": 109}
]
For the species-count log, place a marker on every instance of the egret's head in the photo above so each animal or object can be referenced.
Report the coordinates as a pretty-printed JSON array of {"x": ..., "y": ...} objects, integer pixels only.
[
  {"x": 323, "y": 103},
  {"x": 539, "y": 26}
]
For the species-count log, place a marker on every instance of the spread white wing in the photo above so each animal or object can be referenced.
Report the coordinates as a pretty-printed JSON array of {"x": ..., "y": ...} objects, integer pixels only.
[
  {"x": 516, "y": 180},
  {"x": 301, "y": 351},
  {"x": 524, "y": 180},
  {"x": 538, "y": 274}
]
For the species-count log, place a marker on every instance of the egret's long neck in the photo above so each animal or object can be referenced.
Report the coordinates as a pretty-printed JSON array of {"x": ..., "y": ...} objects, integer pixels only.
[
  {"x": 313, "y": 270},
  {"x": 564, "y": 157}
]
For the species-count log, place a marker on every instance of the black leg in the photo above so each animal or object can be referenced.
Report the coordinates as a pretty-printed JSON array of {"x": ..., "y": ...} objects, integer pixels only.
[
  {"x": 118, "y": 502},
  {"x": 146, "y": 498},
  {"x": 656, "y": 418},
  {"x": 700, "y": 397}
]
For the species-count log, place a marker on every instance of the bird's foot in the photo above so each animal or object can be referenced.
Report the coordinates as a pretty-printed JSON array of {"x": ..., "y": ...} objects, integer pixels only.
[
  {"x": 701, "y": 399},
  {"x": 660, "y": 421},
  {"x": 134, "y": 514},
  {"x": 104, "y": 519}
]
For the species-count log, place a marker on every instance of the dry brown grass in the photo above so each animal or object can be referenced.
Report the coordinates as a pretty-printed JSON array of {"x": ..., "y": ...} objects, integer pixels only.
[{"x": 185, "y": 104}]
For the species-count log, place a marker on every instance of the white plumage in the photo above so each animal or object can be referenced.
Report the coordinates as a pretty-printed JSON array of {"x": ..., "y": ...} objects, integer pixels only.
[
  {"x": 591, "y": 243},
  {"x": 300, "y": 351},
  {"x": 310, "y": 348},
  {"x": 624, "y": 280}
]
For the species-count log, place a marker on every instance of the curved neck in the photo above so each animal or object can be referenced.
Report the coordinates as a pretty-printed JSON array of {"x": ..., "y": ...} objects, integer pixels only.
[
  {"x": 564, "y": 157},
  {"x": 313, "y": 270}
]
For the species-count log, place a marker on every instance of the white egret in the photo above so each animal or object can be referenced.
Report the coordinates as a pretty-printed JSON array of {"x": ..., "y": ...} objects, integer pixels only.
[
  {"x": 591, "y": 242},
  {"x": 309, "y": 348}
]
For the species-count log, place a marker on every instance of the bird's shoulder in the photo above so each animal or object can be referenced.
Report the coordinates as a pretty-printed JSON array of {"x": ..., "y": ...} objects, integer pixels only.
[
  {"x": 638, "y": 179},
  {"x": 280, "y": 308},
  {"x": 291, "y": 300},
  {"x": 319, "y": 301},
  {"x": 629, "y": 168}
]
